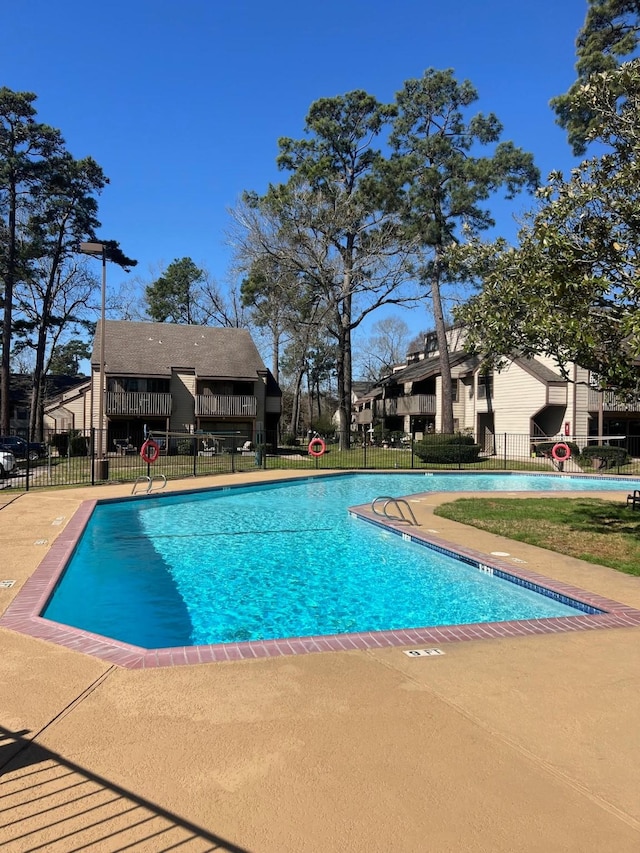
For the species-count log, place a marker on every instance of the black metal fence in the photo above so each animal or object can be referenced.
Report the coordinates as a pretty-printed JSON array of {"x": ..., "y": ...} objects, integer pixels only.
[{"x": 82, "y": 459}]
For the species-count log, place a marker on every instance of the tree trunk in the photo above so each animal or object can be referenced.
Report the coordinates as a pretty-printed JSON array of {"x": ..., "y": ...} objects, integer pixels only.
[
  {"x": 37, "y": 401},
  {"x": 344, "y": 395},
  {"x": 10, "y": 277},
  {"x": 37, "y": 395},
  {"x": 275, "y": 370},
  {"x": 309, "y": 401},
  {"x": 275, "y": 358},
  {"x": 343, "y": 312},
  {"x": 443, "y": 347},
  {"x": 295, "y": 409}
]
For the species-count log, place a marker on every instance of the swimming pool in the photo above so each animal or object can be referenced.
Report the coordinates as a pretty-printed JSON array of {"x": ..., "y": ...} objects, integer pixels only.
[{"x": 284, "y": 560}]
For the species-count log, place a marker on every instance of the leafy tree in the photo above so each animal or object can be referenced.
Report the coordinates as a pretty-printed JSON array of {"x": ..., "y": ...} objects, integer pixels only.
[
  {"x": 47, "y": 207},
  {"x": 184, "y": 293},
  {"x": 173, "y": 297},
  {"x": 447, "y": 183},
  {"x": 57, "y": 291},
  {"x": 570, "y": 289},
  {"x": 320, "y": 366},
  {"x": 270, "y": 294},
  {"x": 328, "y": 226},
  {"x": 610, "y": 33},
  {"x": 25, "y": 148},
  {"x": 65, "y": 359},
  {"x": 309, "y": 353},
  {"x": 285, "y": 304}
]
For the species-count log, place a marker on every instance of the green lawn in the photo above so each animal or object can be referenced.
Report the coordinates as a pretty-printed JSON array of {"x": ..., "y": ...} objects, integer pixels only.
[{"x": 603, "y": 532}]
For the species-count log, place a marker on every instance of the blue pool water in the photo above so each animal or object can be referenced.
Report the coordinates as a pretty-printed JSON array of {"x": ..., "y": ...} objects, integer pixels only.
[{"x": 279, "y": 561}]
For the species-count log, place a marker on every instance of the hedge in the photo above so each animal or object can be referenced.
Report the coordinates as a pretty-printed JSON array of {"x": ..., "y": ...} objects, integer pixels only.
[
  {"x": 71, "y": 443},
  {"x": 613, "y": 456},
  {"x": 446, "y": 449}
]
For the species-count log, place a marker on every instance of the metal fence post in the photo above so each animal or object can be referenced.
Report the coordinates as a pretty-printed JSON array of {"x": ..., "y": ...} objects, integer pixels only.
[{"x": 92, "y": 451}]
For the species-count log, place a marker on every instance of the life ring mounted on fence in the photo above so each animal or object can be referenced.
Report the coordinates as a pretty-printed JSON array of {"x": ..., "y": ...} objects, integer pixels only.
[
  {"x": 150, "y": 451},
  {"x": 561, "y": 452},
  {"x": 316, "y": 447}
]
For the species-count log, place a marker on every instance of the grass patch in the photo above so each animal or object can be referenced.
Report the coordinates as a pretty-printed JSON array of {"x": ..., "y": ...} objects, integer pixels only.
[{"x": 597, "y": 531}]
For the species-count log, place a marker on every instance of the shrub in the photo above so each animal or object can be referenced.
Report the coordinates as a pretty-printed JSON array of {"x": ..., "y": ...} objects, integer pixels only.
[
  {"x": 544, "y": 448},
  {"x": 613, "y": 456},
  {"x": 289, "y": 440},
  {"x": 60, "y": 441},
  {"x": 71, "y": 443},
  {"x": 447, "y": 449},
  {"x": 78, "y": 444}
]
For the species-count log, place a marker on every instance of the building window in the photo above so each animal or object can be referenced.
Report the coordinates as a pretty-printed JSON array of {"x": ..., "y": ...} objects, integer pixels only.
[
  {"x": 454, "y": 390},
  {"x": 122, "y": 384},
  {"x": 431, "y": 344},
  {"x": 485, "y": 386}
]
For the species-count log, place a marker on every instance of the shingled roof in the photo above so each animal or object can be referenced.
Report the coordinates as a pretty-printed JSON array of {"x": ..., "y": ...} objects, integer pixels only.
[
  {"x": 538, "y": 369},
  {"x": 427, "y": 367},
  {"x": 155, "y": 349}
]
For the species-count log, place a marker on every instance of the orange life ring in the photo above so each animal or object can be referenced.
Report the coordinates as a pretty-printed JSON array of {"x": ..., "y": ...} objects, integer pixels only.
[
  {"x": 566, "y": 451},
  {"x": 150, "y": 451},
  {"x": 321, "y": 447}
]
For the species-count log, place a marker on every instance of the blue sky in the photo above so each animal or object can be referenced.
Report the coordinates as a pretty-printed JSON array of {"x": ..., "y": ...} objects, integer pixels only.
[{"x": 182, "y": 103}]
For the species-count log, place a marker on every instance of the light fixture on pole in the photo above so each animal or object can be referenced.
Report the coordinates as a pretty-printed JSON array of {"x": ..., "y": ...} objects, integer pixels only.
[{"x": 98, "y": 250}]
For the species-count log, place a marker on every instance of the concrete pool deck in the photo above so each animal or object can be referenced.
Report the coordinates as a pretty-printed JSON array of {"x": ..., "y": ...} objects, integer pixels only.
[{"x": 510, "y": 744}]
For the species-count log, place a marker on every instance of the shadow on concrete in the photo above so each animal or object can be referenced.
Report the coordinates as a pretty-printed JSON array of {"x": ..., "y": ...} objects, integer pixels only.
[{"x": 50, "y": 804}]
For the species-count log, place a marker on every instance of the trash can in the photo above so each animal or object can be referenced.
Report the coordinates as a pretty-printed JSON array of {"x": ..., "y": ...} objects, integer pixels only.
[{"x": 100, "y": 469}]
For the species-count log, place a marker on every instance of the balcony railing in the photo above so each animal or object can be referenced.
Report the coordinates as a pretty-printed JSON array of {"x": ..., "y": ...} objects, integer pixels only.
[
  {"x": 419, "y": 404},
  {"x": 364, "y": 417},
  {"x": 138, "y": 403},
  {"x": 610, "y": 403},
  {"x": 222, "y": 406}
]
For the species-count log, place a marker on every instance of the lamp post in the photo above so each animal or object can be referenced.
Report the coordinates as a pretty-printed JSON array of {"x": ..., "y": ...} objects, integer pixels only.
[{"x": 98, "y": 250}]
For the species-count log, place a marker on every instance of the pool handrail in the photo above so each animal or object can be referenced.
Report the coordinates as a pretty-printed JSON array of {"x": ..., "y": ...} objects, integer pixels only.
[
  {"x": 399, "y": 504},
  {"x": 149, "y": 481}
]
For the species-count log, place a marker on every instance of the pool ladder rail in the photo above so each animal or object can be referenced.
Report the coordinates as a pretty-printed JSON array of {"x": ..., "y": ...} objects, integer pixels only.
[
  {"x": 149, "y": 483},
  {"x": 403, "y": 511}
]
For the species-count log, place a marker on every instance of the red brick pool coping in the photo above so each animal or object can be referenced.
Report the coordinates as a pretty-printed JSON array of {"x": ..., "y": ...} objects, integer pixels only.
[{"x": 22, "y": 614}]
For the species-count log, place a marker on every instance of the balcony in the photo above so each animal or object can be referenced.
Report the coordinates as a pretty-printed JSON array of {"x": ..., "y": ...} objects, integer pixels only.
[
  {"x": 138, "y": 403},
  {"x": 225, "y": 406},
  {"x": 419, "y": 404},
  {"x": 364, "y": 417},
  {"x": 610, "y": 402}
]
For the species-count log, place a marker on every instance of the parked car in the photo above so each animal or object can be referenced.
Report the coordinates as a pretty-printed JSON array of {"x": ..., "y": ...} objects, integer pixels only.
[
  {"x": 7, "y": 463},
  {"x": 20, "y": 447}
]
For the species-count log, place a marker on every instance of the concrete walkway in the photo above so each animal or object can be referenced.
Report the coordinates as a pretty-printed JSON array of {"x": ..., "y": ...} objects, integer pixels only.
[{"x": 524, "y": 744}]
